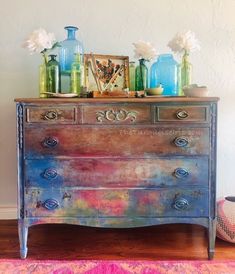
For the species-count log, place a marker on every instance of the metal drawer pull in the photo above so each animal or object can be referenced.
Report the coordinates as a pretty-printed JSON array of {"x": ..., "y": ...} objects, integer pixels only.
[
  {"x": 182, "y": 114},
  {"x": 181, "y": 173},
  {"x": 181, "y": 204},
  {"x": 50, "y": 142},
  {"x": 181, "y": 141},
  {"x": 49, "y": 174},
  {"x": 50, "y": 115},
  {"x": 50, "y": 204}
]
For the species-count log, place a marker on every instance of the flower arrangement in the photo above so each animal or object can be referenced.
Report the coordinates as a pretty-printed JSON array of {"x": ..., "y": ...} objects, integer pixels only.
[
  {"x": 40, "y": 41},
  {"x": 144, "y": 50},
  {"x": 184, "y": 42}
]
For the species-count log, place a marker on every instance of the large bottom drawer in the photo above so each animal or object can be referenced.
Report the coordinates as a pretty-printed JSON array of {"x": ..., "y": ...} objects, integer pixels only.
[{"x": 181, "y": 202}]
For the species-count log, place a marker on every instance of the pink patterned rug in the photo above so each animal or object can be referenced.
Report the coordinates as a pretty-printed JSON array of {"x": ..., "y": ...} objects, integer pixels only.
[{"x": 115, "y": 267}]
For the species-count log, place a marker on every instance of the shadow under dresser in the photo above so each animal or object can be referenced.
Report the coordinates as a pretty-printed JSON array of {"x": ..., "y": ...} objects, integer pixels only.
[{"x": 117, "y": 163}]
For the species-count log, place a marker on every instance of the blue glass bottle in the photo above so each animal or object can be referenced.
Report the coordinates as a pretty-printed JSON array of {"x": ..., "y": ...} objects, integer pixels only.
[
  {"x": 69, "y": 47},
  {"x": 165, "y": 71}
]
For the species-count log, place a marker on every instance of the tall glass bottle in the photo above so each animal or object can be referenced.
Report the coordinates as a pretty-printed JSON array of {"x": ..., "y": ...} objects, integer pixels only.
[
  {"x": 186, "y": 72},
  {"x": 53, "y": 75},
  {"x": 43, "y": 80},
  {"x": 76, "y": 75},
  {"x": 132, "y": 75},
  {"x": 68, "y": 48},
  {"x": 141, "y": 76},
  {"x": 165, "y": 72}
]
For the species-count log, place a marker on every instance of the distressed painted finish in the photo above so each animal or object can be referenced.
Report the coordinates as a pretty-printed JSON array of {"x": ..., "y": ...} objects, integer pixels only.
[
  {"x": 113, "y": 141},
  {"x": 117, "y": 172},
  {"x": 191, "y": 202},
  {"x": 116, "y": 163}
]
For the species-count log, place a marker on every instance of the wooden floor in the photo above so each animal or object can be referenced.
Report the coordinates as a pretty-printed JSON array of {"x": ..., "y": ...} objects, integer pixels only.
[{"x": 166, "y": 242}]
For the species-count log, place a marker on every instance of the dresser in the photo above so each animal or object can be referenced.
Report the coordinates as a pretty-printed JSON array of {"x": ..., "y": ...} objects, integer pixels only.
[{"x": 117, "y": 163}]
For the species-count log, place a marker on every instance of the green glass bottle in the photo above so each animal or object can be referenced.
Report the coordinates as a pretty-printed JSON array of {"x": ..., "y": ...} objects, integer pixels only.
[
  {"x": 76, "y": 75},
  {"x": 141, "y": 76},
  {"x": 132, "y": 75},
  {"x": 53, "y": 75},
  {"x": 43, "y": 80},
  {"x": 186, "y": 72}
]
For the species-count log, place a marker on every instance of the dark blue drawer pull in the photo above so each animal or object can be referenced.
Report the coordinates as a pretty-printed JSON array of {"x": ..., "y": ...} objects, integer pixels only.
[
  {"x": 181, "y": 141},
  {"x": 49, "y": 174},
  {"x": 181, "y": 114},
  {"x": 181, "y": 173},
  {"x": 181, "y": 204},
  {"x": 50, "y": 204},
  {"x": 50, "y": 142}
]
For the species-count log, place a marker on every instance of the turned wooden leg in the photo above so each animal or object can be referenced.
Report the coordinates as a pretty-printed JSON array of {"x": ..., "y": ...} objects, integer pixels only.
[
  {"x": 23, "y": 236},
  {"x": 211, "y": 238}
]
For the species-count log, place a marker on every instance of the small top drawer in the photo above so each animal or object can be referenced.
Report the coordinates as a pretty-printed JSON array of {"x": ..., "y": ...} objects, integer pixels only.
[
  {"x": 116, "y": 114},
  {"x": 52, "y": 114},
  {"x": 182, "y": 113}
]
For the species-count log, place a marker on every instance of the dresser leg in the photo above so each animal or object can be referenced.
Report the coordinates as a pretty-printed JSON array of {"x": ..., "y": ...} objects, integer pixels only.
[
  {"x": 211, "y": 238},
  {"x": 23, "y": 236}
]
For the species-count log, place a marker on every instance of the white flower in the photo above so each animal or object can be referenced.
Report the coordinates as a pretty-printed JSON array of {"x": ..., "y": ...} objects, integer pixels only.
[
  {"x": 39, "y": 40},
  {"x": 184, "y": 42},
  {"x": 144, "y": 50}
]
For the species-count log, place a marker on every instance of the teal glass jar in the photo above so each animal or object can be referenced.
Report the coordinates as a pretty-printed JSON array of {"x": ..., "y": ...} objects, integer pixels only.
[
  {"x": 53, "y": 75},
  {"x": 69, "y": 47},
  {"x": 141, "y": 76},
  {"x": 165, "y": 72}
]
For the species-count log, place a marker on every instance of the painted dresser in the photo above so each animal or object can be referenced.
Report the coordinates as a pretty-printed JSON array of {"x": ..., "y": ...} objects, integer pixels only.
[{"x": 116, "y": 162}]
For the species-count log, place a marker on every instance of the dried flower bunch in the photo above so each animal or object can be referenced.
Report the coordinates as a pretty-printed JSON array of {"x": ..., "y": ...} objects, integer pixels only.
[
  {"x": 144, "y": 50},
  {"x": 184, "y": 42},
  {"x": 39, "y": 40}
]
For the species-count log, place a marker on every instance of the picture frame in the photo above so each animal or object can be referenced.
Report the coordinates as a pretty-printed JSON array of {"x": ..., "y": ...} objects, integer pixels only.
[{"x": 106, "y": 74}]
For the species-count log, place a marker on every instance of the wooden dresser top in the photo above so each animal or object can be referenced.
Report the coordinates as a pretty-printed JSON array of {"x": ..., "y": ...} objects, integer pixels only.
[{"x": 117, "y": 100}]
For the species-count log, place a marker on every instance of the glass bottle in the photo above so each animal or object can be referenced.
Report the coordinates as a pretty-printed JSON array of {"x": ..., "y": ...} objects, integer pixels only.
[
  {"x": 165, "y": 72},
  {"x": 186, "y": 72},
  {"x": 53, "y": 75},
  {"x": 132, "y": 75},
  {"x": 141, "y": 76},
  {"x": 76, "y": 75},
  {"x": 68, "y": 48},
  {"x": 43, "y": 80}
]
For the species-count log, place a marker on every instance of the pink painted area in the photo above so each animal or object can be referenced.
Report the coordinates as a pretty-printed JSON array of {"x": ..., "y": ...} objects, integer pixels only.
[{"x": 115, "y": 267}]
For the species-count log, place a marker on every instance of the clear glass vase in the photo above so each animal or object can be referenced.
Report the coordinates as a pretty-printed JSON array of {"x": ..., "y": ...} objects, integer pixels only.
[
  {"x": 43, "y": 79},
  {"x": 186, "y": 72},
  {"x": 69, "y": 47},
  {"x": 141, "y": 76}
]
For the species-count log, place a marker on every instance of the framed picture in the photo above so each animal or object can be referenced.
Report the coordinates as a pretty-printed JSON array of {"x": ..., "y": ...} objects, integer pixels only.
[{"x": 106, "y": 73}]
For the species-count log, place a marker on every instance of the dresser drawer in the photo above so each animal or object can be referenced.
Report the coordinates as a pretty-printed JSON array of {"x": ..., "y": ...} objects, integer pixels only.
[
  {"x": 117, "y": 172},
  {"x": 182, "y": 113},
  {"x": 53, "y": 114},
  {"x": 116, "y": 114},
  {"x": 114, "y": 141},
  {"x": 176, "y": 202}
]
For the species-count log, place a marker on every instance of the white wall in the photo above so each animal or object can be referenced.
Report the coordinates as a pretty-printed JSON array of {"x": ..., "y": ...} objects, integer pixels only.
[{"x": 110, "y": 27}]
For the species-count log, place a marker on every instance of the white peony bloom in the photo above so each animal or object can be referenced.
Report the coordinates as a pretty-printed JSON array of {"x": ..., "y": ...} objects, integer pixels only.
[
  {"x": 144, "y": 50},
  {"x": 39, "y": 40},
  {"x": 185, "y": 41}
]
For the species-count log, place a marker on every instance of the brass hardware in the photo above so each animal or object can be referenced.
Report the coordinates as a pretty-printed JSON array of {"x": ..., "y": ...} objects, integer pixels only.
[
  {"x": 116, "y": 115},
  {"x": 182, "y": 114}
]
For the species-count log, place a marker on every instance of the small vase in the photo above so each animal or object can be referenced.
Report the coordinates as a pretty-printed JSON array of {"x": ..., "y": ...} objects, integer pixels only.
[
  {"x": 43, "y": 79},
  {"x": 53, "y": 75},
  {"x": 186, "y": 72},
  {"x": 76, "y": 73},
  {"x": 132, "y": 75},
  {"x": 141, "y": 76}
]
